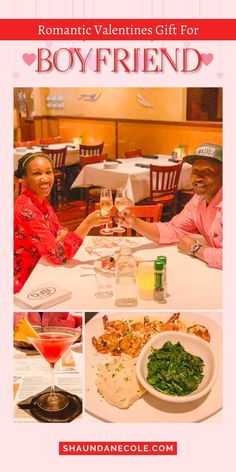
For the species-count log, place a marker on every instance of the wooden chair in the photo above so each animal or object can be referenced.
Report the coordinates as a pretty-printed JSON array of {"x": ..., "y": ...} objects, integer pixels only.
[
  {"x": 19, "y": 187},
  {"x": 86, "y": 150},
  {"x": 34, "y": 142},
  {"x": 150, "y": 213},
  {"x": 93, "y": 159},
  {"x": 58, "y": 157},
  {"x": 163, "y": 187},
  {"x": 55, "y": 140},
  {"x": 133, "y": 153}
]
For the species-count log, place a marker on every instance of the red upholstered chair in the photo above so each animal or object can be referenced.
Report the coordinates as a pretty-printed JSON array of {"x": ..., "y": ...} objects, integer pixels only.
[
  {"x": 163, "y": 187},
  {"x": 133, "y": 153},
  {"x": 87, "y": 150},
  {"x": 58, "y": 157}
]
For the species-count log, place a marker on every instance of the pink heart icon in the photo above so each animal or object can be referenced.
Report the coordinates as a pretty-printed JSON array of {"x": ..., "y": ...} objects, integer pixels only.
[
  {"x": 29, "y": 58},
  {"x": 207, "y": 58},
  {"x": 220, "y": 75},
  {"x": 48, "y": 44},
  {"x": 15, "y": 75}
]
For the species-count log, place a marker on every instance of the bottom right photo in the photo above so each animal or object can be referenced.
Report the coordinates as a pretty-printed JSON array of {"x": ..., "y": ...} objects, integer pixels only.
[{"x": 156, "y": 367}]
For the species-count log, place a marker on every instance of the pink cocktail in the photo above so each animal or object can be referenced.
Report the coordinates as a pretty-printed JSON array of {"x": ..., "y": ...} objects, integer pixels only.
[{"x": 52, "y": 343}]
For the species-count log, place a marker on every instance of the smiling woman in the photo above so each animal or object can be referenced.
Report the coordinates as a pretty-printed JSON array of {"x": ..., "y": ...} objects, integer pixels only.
[{"x": 37, "y": 232}]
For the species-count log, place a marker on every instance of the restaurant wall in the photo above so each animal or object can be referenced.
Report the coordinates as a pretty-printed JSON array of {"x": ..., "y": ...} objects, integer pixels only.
[
  {"x": 122, "y": 135},
  {"x": 163, "y": 138},
  {"x": 130, "y": 103}
]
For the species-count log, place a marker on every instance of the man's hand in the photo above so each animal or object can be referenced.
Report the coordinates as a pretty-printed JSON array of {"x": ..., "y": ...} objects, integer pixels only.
[
  {"x": 184, "y": 245},
  {"x": 126, "y": 218}
]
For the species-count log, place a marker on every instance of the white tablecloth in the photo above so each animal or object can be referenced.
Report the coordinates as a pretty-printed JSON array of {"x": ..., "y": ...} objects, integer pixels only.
[
  {"x": 135, "y": 179},
  {"x": 192, "y": 285},
  {"x": 72, "y": 154}
]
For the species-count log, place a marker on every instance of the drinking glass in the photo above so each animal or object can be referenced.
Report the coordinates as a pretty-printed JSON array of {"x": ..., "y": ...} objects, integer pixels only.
[
  {"x": 145, "y": 280},
  {"x": 104, "y": 281},
  {"x": 52, "y": 342},
  {"x": 106, "y": 204},
  {"x": 121, "y": 202}
]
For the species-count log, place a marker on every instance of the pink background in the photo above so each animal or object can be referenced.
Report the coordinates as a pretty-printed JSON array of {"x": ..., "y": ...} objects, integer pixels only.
[{"x": 35, "y": 446}]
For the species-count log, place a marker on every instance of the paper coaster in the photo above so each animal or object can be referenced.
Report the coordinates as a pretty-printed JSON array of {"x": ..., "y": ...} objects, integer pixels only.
[{"x": 66, "y": 415}]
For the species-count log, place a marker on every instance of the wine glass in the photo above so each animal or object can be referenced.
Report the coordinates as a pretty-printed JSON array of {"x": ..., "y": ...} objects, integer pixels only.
[
  {"x": 121, "y": 202},
  {"x": 106, "y": 204},
  {"x": 52, "y": 343}
]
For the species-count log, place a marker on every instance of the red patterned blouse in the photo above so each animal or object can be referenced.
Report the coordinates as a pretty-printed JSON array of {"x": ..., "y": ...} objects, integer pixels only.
[{"x": 36, "y": 234}]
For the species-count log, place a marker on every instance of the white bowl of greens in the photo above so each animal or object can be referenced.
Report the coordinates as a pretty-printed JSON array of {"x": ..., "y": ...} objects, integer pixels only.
[{"x": 177, "y": 367}]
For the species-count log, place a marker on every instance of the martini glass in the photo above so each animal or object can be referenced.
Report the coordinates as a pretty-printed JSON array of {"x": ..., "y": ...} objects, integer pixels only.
[
  {"x": 52, "y": 342},
  {"x": 121, "y": 202}
]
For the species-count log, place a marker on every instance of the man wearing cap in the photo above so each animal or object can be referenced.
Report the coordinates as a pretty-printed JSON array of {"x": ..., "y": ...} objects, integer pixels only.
[{"x": 201, "y": 215}]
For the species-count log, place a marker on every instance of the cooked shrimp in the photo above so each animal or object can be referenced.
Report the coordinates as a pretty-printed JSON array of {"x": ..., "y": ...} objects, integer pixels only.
[
  {"x": 107, "y": 343},
  {"x": 155, "y": 327},
  {"x": 200, "y": 331},
  {"x": 173, "y": 324},
  {"x": 140, "y": 326},
  {"x": 131, "y": 345},
  {"x": 173, "y": 318},
  {"x": 118, "y": 326}
]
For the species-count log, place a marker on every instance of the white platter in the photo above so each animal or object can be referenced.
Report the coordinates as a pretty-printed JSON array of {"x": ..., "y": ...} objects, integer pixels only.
[{"x": 149, "y": 409}]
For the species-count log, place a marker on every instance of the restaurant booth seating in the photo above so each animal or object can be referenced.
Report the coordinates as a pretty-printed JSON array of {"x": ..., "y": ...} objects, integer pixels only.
[{"x": 163, "y": 188}]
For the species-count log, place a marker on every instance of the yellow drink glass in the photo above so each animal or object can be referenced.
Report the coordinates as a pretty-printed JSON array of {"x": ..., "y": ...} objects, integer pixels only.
[{"x": 145, "y": 280}]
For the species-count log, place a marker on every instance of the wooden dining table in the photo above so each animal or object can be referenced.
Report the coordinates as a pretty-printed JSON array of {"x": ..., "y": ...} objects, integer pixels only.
[
  {"x": 192, "y": 285},
  {"x": 131, "y": 175}
]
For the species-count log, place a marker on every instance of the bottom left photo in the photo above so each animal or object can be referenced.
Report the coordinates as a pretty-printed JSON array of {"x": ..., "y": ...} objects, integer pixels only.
[{"x": 48, "y": 366}]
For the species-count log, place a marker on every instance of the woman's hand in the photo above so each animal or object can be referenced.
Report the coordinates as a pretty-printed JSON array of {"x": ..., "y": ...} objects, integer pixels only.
[
  {"x": 61, "y": 234},
  {"x": 95, "y": 219}
]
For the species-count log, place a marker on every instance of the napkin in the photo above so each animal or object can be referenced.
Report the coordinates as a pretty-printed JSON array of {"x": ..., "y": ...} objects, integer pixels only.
[{"x": 42, "y": 295}]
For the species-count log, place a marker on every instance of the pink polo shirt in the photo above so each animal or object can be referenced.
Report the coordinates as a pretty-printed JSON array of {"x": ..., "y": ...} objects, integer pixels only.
[{"x": 197, "y": 217}]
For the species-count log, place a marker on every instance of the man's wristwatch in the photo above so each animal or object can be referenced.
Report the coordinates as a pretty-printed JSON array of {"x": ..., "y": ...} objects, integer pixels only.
[{"x": 194, "y": 248}]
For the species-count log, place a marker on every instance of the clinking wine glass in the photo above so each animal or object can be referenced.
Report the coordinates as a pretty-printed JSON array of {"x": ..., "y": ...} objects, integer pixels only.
[
  {"x": 52, "y": 343},
  {"x": 106, "y": 204},
  {"x": 121, "y": 202}
]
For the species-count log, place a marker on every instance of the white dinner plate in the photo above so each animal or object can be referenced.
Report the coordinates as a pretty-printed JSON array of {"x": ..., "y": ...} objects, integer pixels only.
[{"x": 149, "y": 409}]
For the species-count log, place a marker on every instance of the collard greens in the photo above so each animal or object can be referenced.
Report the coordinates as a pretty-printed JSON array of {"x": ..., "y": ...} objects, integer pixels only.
[{"x": 174, "y": 371}]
